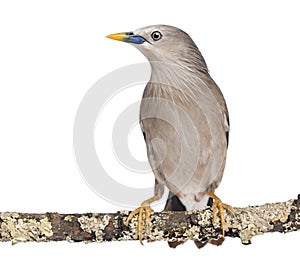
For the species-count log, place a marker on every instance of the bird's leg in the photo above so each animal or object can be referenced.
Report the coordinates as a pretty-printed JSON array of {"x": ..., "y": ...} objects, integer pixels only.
[
  {"x": 143, "y": 213},
  {"x": 218, "y": 204}
]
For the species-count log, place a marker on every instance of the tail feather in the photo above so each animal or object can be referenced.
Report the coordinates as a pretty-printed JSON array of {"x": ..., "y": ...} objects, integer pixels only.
[{"x": 174, "y": 204}]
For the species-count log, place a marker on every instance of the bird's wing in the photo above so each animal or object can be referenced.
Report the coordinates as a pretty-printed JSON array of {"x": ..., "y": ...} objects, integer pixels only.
[{"x": 214, "y": 88}]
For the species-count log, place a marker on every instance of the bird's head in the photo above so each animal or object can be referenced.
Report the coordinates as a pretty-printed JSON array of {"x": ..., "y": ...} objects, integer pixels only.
[{"x": 163, "y": 43}]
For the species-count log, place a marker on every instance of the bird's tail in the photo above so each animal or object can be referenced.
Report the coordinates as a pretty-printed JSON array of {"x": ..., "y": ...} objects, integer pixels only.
[{"x": 174, "y": 204}]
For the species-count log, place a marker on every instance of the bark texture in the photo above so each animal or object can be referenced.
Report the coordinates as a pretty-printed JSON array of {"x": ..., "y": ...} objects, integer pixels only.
[{"x": 281, "y": 217}]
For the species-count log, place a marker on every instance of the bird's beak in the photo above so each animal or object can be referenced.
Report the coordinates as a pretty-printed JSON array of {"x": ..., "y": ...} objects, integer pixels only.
[{"x": 128, "y": 37}]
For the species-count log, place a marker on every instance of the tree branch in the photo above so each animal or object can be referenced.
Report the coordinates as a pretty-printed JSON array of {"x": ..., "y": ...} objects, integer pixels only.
[{"x": 281, "y": 217}]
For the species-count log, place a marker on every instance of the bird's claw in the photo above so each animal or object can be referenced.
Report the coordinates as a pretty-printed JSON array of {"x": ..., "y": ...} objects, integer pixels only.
[
  {"x": 218, "y": 204},
  {"x": 143, "y": 212}
]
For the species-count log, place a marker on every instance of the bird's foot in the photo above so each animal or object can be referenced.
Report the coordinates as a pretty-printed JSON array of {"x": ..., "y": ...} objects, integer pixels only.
[
  {"x": 218, "y": 204},
  {"x": 143, "y": 213}
]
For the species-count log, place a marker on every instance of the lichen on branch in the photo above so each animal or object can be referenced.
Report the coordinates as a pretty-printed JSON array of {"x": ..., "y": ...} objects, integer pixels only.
[{"x": 194, "y": 225}]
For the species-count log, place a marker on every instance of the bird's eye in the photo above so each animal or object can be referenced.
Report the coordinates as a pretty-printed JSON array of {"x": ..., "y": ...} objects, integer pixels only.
[{"x": 156, "y": 35}]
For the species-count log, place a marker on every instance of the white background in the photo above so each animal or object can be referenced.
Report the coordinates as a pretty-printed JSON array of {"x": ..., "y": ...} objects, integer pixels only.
[{"x": 52, "y": 52}]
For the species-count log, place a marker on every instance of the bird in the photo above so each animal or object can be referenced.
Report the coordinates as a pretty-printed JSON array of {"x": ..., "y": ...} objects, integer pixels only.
[{"x": 185, "y": 123}]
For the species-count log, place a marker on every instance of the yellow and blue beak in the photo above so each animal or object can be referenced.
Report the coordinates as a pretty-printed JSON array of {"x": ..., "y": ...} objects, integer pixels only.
[{"x": 128, "y": 37}]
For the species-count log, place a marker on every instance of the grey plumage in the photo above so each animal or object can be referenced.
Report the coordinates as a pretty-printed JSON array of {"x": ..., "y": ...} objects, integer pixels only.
[
  {"x": 184, "y": 118},
  {"x": 180, "y": 75}
]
